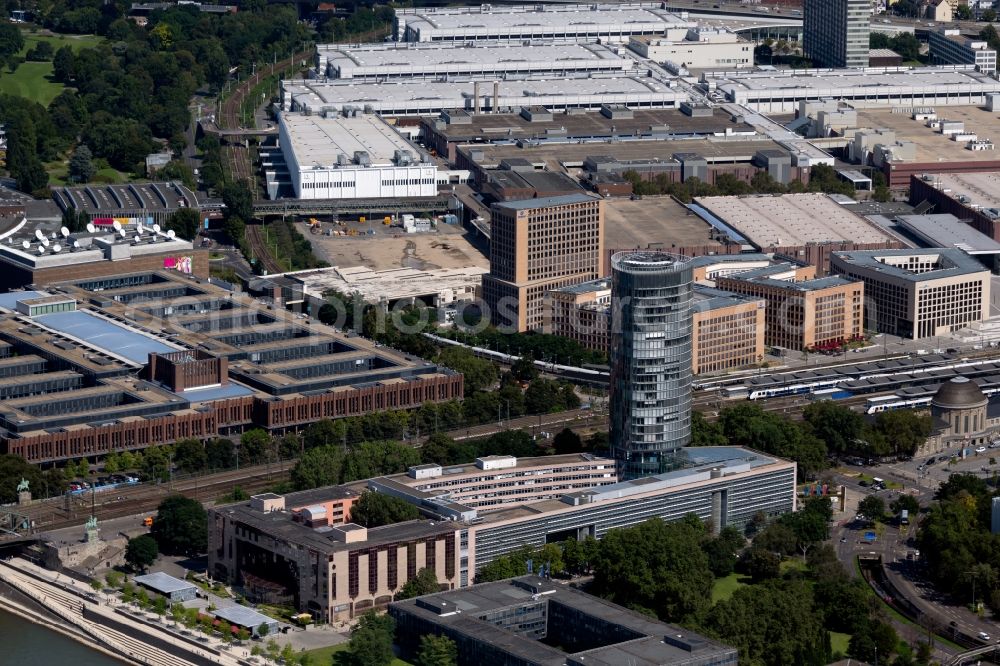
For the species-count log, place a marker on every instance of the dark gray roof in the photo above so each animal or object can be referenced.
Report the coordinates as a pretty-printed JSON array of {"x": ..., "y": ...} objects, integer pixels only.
[
  {"x": 658, "y": 643},
  {"x": 948, "y": 231},
  {"x": 541, "y": 202},
  {"x": 954, "y": 262},
  {"x": 958, "y": 393}
]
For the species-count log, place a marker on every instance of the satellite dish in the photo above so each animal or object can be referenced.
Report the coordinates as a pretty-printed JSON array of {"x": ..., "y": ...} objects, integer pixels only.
[
  {"x": 45, "y": 242},
  {"x": 64, "y": 231},
  {"x": 56, "y": 248},
  {"x": 121, "y": 232},
  {"x": 25, "y": 244},
  {"x": 41, "y": 250},
  {"x": 171, "y": 234},
  {"x": 156, "y": 228},
  {"x": 76, "y": 244},
  {"x": 117, "y": 225},
  {"x": 138, "y": 238},
  {"x": 10, "y": 240},
  {"x": 39, "y": 235},
  {"x": 91, "y": 228},
  {"x": 54, "y": 235}
]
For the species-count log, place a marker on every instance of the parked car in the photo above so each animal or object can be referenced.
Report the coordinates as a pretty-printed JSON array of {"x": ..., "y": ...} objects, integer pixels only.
[{"x": 980, "y": 449}]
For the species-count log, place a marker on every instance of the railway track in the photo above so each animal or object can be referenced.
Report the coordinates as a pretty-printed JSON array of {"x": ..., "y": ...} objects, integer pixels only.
[
  {"x": 259, "y": 248},
  {"x": 229, "y": 117},
  {"x": 53, "y": 514}
]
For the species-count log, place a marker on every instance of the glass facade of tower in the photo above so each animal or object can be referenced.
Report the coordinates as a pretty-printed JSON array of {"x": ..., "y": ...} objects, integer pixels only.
[
  {"x": 650, "y": 360},
  {"x": 835, "y": 32}
]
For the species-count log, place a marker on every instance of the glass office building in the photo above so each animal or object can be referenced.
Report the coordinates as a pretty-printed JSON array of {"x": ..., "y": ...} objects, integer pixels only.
[{"x": 650, "y": 360}]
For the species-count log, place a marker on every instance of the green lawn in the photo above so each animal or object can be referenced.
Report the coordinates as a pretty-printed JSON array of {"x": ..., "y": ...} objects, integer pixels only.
[
  {"x": 725, "y": 587},
  {"x": 839, "y": 642},
  {"x": 32, "y": 79},
  {"x": 324, "y": 655},
  {"x": 793, "y": 564}
]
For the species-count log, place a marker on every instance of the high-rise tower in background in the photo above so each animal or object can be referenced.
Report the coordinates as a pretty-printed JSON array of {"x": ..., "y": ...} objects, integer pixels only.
[
  {"x": 835, "y": 32},
  {"x": 650, "y": 360}
]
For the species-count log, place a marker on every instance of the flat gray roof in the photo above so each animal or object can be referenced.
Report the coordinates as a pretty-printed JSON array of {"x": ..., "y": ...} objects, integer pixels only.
[
  {"x": 107, "y": 336},
  {"x": 836, "y": 82},
  {"x": 415, "y": 58},
  {"x": 163, "y": 583},
  {"x": 953, "y": 262},
  {"x": 943, "y": 230},
  {"x": 244, "y": 617},
  {"x": 319, "y": 141},
  {"x": 541, "y": 202},
  {"x": 432, "y": 97},
  {"x": 541, "y": 19},
  {"x": 792, "y": 219}
]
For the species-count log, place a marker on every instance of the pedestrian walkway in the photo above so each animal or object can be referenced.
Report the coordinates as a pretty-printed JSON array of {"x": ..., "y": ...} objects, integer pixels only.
[{"x": 80, "y": 606}]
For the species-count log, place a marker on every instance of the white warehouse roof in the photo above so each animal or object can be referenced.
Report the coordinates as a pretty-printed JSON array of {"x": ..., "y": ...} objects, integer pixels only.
[
  {"x": 584, "y": 22},
  {"x": 432, "y": 97},
  {"x": 320, "y": 141},
  {"x": 848, "y": 83},
  {"x": 448, "y": 59}
]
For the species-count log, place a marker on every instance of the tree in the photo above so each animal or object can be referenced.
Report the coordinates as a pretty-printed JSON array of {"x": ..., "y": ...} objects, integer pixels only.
[
  {"x": 762, "y": 564},
  {"x": 255, "y": 446},
  {"x": 907, "y": 502},
  {"x": 318, "y": 467},
  {"x": 185, "y": 222},
  {"x": 989, "y": 15},
  {"x": 323, "y": 433},
  {"x": 371, "y": 640},
  {"x": 838, "y": 426},
  {"x": 219, "y": 453},
  {"x": 723, "y": 551},
  {"x": 377, "y": 458},
  {"x": 238, "y": 201},
  {"x": 81, "y": 166},
  {"x": 141, "y": 552},
  {"x": 376, "y": 509},
  {"x": 160, "y": 605},
  {"x": 524, "y": 369},
  {"x": 704, "y": 432},
  {"x": 13, "y": 468},
  {"x": 872, "y": 507},
  {"x": 963, "y": 13},
  {"x": 425, "y": 582},
  {"x": 479, "y": 373},
  {"x": 772, "y": 624},
  {"x": 181, "y": 526},
  {"x": 567, "y": 441},
  {"x": 190, "y": 456},
  {"x": 263, "y": 629},
  {"x": 11, "y": 40},
  {"x": 656, "y": 567},
  {"x": 62, "y": 65},
  {"x": 436, "y": 651}
]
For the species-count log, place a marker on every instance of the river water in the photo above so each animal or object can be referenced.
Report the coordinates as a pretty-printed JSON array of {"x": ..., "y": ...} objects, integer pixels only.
[{"x": 27, "y": 644}]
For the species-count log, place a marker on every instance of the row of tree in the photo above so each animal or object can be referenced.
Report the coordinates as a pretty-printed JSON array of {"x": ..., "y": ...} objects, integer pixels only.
[
  {"x": 333, "y": 463},
  {"x": 961, "y": 552},
  {"x": 827, "y": 429},
  {"x": 822, "y": 178}
]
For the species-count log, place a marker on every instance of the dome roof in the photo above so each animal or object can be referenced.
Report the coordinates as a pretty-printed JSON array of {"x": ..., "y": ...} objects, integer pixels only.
[{"x": 958, "y": 393}]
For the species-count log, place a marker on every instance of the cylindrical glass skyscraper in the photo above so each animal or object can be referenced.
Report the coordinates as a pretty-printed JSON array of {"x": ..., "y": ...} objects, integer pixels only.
[{"x": 650, "y": 360}]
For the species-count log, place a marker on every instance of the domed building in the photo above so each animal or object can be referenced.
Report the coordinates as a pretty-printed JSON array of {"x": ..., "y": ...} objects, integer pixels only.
[{"x": 961, "y": 415}]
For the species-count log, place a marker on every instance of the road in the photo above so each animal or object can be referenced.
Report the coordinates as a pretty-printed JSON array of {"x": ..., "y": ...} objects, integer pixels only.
[{"x": 892, "y": 544}]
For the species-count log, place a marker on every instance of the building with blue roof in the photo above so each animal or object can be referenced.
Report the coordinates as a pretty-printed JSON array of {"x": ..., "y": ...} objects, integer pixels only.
[
  {"x": 919, "y": 293},
  {"x": 122, "y": 362}
]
